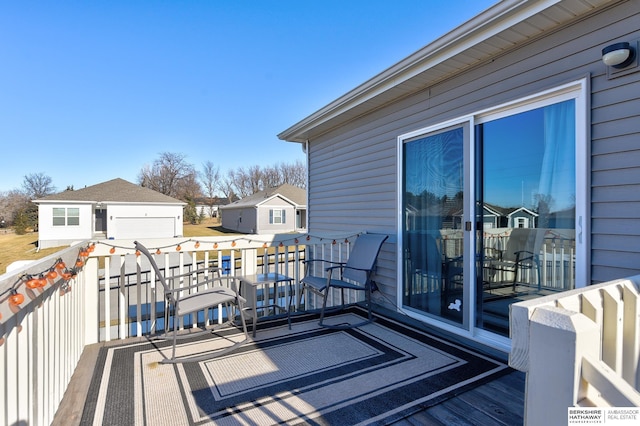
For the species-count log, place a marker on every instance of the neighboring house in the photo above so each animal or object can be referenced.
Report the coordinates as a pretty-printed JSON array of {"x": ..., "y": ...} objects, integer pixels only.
[
  {"x": 210, "y": 207},
  {"x": 510, "y": 217},
  {"x": 281, "y": 209},
  {"x": 491, "y": 217},
  {"x": 115, "y": 209},
  {"x": 514, "y": 105},
  {"x": 521, "y": 217}
]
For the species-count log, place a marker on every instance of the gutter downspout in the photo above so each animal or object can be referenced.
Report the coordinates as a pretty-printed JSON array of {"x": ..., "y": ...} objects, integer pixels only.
[{"x": 305, "y": 149}]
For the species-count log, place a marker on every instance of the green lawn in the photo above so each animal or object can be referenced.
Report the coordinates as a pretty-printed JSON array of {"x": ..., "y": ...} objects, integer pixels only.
[{"x": 23, "y": 247}]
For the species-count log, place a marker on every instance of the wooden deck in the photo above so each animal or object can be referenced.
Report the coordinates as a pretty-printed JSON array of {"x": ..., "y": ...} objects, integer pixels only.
[{"x": 499, "y": 402}]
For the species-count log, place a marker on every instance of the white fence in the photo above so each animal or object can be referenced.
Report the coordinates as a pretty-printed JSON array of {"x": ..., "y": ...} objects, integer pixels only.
[
  {"x": 556, "y": 254},
  {"x": 42, "y": 338},
  {"x": 578, "y": 348}
]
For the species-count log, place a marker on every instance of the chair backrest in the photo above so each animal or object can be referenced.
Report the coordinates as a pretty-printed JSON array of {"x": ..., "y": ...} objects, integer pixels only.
[
  {"x": 364, "y": 255},
  {"x": 425, "y": 254},
  {"x": 523, "y": 240},
  {"x": 142, "y": 249}
]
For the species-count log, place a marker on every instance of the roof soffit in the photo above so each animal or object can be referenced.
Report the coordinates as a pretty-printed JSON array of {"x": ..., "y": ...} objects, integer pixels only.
[{"x": 495, "y": 31}]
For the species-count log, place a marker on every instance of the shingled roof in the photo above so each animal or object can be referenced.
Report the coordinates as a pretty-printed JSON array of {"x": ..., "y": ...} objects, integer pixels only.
[{"x": 114, "y": 191}]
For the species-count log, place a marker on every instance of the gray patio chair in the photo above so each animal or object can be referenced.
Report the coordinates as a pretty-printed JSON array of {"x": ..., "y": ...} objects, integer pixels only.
[
  {"x": 355, "y": 274},
  {"x": 521, "y": 254},
  {"x": 192, "y": 299}
]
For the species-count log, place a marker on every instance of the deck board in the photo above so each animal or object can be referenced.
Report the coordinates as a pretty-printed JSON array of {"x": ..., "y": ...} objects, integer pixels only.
[{"x": 499, "y": 402}]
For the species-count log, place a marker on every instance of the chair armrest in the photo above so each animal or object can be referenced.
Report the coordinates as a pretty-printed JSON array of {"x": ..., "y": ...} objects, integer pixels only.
[
  {"x": 519, "y": 253},
  {"x": 337, "y": 266},
  {"x": 322, "y": 260},
  {"x": 211, "y": 270},
  {"x": 357, "y": 269}
]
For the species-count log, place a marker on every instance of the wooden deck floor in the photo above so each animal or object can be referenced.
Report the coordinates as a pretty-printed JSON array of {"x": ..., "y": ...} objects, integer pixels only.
[{"x": 499, "y": 402}]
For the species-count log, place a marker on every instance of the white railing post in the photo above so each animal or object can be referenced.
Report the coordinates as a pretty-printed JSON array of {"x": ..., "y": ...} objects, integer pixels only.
[
  {"x": 91, "y": 290},
  {"x": 591, "y": 334},
  {"x": 558, "y": 340},
  {"x": 631, "y": 335},
  {"x": 249, "y": 261}
]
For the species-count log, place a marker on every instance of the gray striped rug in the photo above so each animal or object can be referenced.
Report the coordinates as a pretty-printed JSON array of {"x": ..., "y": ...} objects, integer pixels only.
[{"x": 374, "y": 374}]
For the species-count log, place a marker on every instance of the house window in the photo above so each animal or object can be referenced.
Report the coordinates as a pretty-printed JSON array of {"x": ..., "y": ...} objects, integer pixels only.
[
  {"x": 66, "y": 216},
  {"x": 276, "y": 216}
]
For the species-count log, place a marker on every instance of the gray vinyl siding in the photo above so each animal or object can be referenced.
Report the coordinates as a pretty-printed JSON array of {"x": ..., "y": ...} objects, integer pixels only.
[
  {"x": 240, "y": 219},
  {"x": 615, "y": 153},
  {"x": 264, "y": 227},
  {"x": 353, "y": 168}
]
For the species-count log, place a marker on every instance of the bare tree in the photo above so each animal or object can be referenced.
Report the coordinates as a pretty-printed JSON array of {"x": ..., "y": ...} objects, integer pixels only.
[
  {"x": 171, "y": 175},
  {"x": 37, "y": 185},
  {"x": 247, "y": 181},
  {"x": 11, "y": 203},
  {"x": 210, "y": 178},
  {"x": 271, "y": 177},
  {"x": 294, "y": 174},
  {"x": 226, "y": 187}
]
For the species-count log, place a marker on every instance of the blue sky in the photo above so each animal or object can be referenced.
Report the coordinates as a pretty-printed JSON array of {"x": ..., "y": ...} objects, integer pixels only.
[{"x": 94, "y": 90}]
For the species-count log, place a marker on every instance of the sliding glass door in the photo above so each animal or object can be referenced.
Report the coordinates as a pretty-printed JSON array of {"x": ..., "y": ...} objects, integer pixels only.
[
  {"x": 433, "y": 189},
  {"x": 526, "y": 198},
  {"x": 489, "y": 208}
]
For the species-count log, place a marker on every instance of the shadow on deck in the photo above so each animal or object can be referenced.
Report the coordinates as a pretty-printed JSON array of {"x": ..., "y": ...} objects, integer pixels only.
[{"x": 497, "y": 402}]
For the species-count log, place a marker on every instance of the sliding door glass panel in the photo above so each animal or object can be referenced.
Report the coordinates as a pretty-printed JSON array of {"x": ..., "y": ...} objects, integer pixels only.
[
  {"x": 433, "y": 189},
  {"x": 525, "y": 209}
]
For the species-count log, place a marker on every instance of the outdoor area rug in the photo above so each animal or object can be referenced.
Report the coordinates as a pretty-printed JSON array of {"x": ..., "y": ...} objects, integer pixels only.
[{"x": 375, "y": 374}]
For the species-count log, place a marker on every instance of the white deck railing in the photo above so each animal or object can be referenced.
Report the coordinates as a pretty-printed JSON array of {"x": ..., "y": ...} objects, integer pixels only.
[
  {"x": 42, "y": 338},
  {"x": 556, "y": 257},
  {"x": 578, "y": 348}
]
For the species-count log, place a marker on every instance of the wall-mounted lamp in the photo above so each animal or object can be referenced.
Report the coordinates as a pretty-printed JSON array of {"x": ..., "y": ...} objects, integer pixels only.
[{"x": 618, "y": 55}]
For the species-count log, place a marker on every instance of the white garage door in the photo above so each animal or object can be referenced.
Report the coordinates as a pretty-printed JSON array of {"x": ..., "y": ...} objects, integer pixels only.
[{"x": 145, "y": 227}]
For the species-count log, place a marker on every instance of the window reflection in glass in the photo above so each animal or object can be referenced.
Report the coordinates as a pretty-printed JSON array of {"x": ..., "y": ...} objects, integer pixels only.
[
  {"x": 433, "y": 239},
  {"x": 526, "y": 206}
]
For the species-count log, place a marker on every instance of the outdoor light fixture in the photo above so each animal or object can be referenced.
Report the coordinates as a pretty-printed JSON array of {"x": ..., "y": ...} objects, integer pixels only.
[{"x": 618, "y": 55}]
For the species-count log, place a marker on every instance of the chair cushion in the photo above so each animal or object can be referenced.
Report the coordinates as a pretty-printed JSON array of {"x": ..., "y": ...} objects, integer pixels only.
[
  {"x": 204, "y": 299},
  {"x": 319, "y": 283},
  {"x": 347, "y": 285}
]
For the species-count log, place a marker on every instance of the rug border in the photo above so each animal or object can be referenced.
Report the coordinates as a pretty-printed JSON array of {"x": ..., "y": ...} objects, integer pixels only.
[{"x": 499, "y": 366}]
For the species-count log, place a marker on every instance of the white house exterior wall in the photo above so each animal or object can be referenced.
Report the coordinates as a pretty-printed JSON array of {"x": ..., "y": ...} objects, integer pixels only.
[
  {"x": 353, "y": 168},
  {"x": 56, "y": 236}
]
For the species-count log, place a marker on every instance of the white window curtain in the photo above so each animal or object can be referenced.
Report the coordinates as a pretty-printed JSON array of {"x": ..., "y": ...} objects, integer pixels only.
[{"x": 558, "y": 174}]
